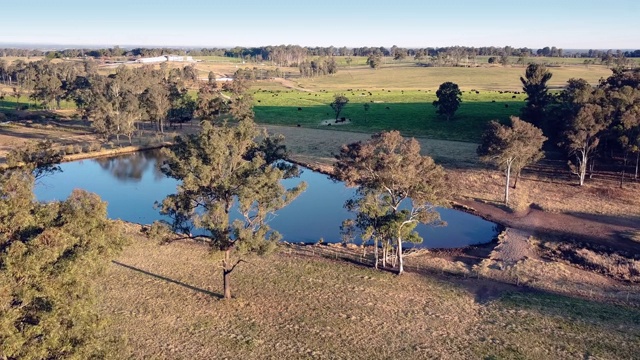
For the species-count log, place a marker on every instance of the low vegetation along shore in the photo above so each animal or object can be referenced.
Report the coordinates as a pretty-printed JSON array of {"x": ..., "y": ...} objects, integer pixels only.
[{"x": 562, "y": 280}]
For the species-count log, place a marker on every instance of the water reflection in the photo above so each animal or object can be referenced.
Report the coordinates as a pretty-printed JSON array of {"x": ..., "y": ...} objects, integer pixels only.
[
  {"x": 132, "y": 166},
  {"x": 132, "y": 183}
]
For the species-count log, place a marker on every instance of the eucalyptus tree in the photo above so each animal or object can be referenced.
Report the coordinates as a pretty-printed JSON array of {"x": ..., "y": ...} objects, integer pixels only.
[
  {"x": 211, "y": 104},
  {"x": 397, "y": 187},
  {"x": 225, "y": 176},
  {"x": 448, "y": 99},
  {"x": 241, "y": 102},
  {"x": 374, "y": 60},
  {"x": 155, "y": 102},
  {"x": 50, "y": 255},
  {"x": 4, "y": 71},
  {"x": 182, "y": 105},
  {"x": 624, "y": 103},
  {"x": 511, "y": 148},
  {"x": 583, "y": 136},
  {"x": 40, "y": 159},
  {"x": 338, "y": 103},
  {"x": 534, "y": 84}
]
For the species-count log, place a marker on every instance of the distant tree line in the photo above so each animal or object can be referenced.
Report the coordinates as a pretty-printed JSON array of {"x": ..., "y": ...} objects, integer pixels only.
[{"x": 294, "y": 55}]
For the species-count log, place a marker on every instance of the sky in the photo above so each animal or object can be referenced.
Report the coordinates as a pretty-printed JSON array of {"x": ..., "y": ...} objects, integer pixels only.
[{"x": 567, "y": 24}]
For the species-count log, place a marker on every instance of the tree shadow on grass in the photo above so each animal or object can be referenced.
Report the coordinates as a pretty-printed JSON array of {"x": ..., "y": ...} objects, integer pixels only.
[{"x": 190, "y": 287}]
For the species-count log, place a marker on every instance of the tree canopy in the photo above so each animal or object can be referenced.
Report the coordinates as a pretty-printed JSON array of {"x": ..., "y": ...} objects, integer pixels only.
[
  {"x": 230, "y": 185},
  {"x": 534, "y": 84},
  {"x": 49, "y": 256},
  {"x": 511, "y": 147},
  {"x": 448, "y": 99},
  {"x": 339, "y": 102},
  {"x": 397, "y": 188}
]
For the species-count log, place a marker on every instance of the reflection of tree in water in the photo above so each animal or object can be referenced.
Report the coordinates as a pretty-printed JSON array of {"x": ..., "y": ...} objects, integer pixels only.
[{"x": 131, "y": 167}]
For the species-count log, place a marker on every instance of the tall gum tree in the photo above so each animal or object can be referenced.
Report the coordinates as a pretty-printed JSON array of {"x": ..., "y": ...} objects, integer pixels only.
[
  {"x": 397, "y": 186},
  {"x": 582, "y": 136},
  {"x": 511, "y": 147},
  {"x": 225, "y": 175}
]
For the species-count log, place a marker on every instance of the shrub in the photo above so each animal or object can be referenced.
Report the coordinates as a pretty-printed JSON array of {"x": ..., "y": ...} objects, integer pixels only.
[{"x": 94, "y": 147}]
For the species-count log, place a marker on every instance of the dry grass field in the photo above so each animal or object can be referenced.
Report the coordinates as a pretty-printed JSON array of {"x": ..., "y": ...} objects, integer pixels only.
[
  {"x": 164, "y": 300},
  {"x": 409, "y": 76}
]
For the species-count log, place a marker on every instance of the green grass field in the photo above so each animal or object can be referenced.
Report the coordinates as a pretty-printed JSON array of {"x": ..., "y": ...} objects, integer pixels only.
[
  {"x": 400, "y": 97},
  {"x": 410, "y": 112}
]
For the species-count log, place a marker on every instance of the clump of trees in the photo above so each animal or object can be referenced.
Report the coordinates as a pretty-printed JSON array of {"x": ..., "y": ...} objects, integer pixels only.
[
  {"x": 397, "y": 189},
  {"x": 449, "y": 99},
  {"x": 117, "y": 104},
  {"x": 317, "y": 67}
]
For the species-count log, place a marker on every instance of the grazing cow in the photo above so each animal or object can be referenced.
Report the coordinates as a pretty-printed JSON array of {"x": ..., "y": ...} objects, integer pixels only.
[
  {"x": 506, "y": 105},
  {"x": 513, "y": 97},
  {"x": 299, "y": 109}
]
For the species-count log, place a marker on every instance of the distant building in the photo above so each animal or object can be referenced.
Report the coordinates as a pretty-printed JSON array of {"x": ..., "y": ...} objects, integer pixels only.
[
  {"x": 156, "y": 59},
  {"x": 179, "y": 58},
  {"x": 163, "y": 58}
]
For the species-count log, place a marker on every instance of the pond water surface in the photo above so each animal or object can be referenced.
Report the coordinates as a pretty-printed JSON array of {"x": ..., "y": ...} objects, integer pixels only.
[{"x": 132, "y": 183}]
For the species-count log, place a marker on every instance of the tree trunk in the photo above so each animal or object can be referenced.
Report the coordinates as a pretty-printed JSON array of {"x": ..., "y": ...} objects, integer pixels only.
[
  {"x": 375, "y": 252},
  {"x": 635, "y": 177},
  {"x": 624, "y": 167},
  {"x": 399, "y": 254},
  {"x": 515, "y": 183},
  {"x": 582, "y": 167},
  {"x": 226, "y": 272},
  {"x": 506, "y": 188},
  {"x": 384, "y": 255}
]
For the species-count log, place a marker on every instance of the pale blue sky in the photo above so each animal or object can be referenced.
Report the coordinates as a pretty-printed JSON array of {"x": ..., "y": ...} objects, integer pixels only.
[{"x": 581, "y": 24}]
